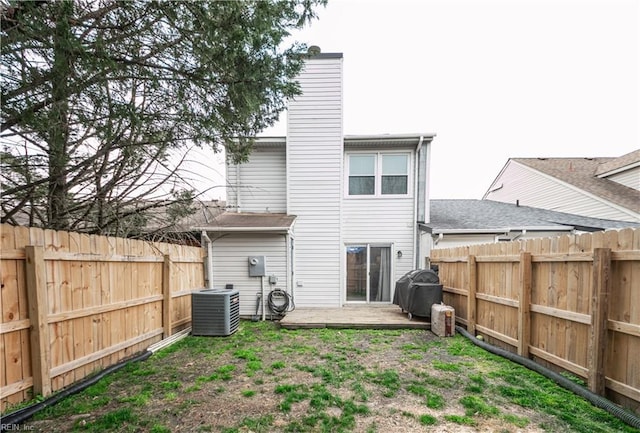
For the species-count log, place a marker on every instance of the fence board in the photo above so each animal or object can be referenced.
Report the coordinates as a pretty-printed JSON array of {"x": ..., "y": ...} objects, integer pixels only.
[
  {"x": 102, "y": 300},
  {"x": 40, "y": 347},
  {"x": 21, "y": 239},
  {"x": 471, "y": 294},
  {"x": 561, "y": 317},
  {"x": 11, "y": 341},
  {"x": 633, "y": 373},
  {"x": 524, "y": 304}
]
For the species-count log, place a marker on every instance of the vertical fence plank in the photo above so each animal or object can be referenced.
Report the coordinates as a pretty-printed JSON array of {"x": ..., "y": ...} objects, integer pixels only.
[
  {"x": 38, "y": 310},
  {"x": 166, "y": 291},
  {"x": 471, "y": 297},
  {"x": 524, "y": 305},
  {"x": 11, "y": 366},
  {"x": 21, "y": 238},
  {"x": 75, "y": 302},
  {"x": 599, "y": 306}
]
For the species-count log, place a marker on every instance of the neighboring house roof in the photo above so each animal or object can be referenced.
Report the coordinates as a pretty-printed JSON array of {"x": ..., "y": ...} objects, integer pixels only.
[
  {"x": 582, "y": 174},
  {"x": 486, "y": 216},
  {"x": 250, "y": 222},
  {"x": 630, "y": 160}
]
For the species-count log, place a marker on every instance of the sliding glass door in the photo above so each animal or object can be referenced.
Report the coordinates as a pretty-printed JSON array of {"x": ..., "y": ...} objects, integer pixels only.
[{"x": 368, "y": 273}]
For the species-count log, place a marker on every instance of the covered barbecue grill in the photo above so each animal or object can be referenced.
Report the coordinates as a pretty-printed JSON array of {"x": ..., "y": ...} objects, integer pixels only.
[{"x": 416, "y": 291}]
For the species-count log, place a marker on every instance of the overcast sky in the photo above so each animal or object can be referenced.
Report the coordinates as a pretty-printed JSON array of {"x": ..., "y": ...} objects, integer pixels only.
[{"x": 493, "y": 79}]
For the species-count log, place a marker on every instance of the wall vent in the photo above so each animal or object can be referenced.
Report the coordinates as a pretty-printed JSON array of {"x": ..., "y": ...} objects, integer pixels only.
[{"x": 215, "y": 312}]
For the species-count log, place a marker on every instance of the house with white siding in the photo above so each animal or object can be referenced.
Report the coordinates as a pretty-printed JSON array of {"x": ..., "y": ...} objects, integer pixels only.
[
  {"x": 338, "y": 219},
  {"x": 607, "y": 188}
]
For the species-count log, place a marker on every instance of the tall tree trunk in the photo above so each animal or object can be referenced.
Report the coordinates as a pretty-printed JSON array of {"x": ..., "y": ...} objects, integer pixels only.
[{"x": 58, "y": 197}]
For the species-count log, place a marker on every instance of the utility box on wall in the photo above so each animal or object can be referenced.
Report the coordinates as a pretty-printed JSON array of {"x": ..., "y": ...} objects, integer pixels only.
[{"x": 257, "y": 266}]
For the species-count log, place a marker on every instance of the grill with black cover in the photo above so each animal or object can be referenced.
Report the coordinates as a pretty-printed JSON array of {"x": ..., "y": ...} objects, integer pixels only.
[{"x": 416, "y": 291}]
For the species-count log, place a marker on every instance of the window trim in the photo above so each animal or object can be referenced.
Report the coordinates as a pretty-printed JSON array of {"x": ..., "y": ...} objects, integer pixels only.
[{"x": 378, "y": 174}]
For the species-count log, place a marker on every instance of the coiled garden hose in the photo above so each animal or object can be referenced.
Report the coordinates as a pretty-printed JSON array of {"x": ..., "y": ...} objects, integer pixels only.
[
  {"x": 598, "y": 401},
  {"x": 284, "y": 301}
]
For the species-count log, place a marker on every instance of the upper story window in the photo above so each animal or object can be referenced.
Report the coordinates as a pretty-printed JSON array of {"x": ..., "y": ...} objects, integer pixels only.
[
  {"x": 362, "y": 174},
  {"x": 394, "y": 174},
  {"x": 377, "y": 174}
]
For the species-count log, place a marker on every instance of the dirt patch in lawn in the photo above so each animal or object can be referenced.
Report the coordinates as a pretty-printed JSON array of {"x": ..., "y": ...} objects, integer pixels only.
[{"x": 263, "y": 379}]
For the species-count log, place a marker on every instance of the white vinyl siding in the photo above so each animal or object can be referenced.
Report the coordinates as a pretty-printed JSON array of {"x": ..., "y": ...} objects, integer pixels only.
[
  {"x": 384, "y": 221},
  {"x": 230, "y": 265},
  {"x": 630, "y": 178},
  {"x": 314, "y": 184},
  {"x": 262, "y": 183},
  {"x": 531, "y": 188}
]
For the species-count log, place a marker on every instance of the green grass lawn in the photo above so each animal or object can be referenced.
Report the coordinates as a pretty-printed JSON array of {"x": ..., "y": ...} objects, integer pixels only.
[{"x": 263, "y": 379}]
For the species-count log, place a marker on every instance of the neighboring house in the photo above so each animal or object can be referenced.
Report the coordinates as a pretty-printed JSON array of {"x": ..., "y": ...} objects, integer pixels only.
[
  {"x": 336, "y": 217},
  {"x": 465, "y": 222},
  {"x": 594, "y": 187}
]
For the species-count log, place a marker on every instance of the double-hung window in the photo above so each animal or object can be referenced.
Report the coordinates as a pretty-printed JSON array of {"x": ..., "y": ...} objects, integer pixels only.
[
  {"x": 378, "y": 174},
  {"x": 362, "y": 174},
  {"x": 394, "y": 174}
]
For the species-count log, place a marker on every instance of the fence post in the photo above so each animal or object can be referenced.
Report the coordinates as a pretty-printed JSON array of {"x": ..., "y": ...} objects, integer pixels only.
[
  {"x": 599, "y": 307},
  {"x": 36, "y": 279},
  {"x": 471, "y": 297},
  {"x": 524, "y": 305},
  {"x": 166, "y": 292}
]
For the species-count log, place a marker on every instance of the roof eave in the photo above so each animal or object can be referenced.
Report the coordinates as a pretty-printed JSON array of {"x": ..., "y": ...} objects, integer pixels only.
[
  {"x": 503, "y": 230},
  {"x": 618, "y": 170},
  {"x": 218, "y": 229}
]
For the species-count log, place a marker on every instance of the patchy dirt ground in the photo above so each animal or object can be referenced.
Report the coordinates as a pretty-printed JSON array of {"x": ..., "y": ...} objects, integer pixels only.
[{"x": 262, "y": 379}]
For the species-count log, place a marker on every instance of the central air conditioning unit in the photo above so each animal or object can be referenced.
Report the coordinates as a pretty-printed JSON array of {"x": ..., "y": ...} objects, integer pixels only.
[{"x": 215, "y": 312}]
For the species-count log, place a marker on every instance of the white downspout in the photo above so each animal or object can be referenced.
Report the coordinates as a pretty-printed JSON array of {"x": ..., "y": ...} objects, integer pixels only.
[
  {"x": 288, "y": 263},
  {"x": 522, "y": 233},
  {"x": 416, "y": 240},
  {"x": 209, "y": 259},
  {"x": 438, "y": 239}
]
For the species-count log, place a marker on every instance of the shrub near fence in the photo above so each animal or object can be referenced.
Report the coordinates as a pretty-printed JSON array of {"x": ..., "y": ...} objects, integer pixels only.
[
  {"x": 571, "y": 302},
  {"x": 73, "y": 304}
]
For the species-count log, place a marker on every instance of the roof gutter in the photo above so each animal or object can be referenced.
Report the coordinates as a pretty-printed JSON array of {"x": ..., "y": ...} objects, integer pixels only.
[
  {"x": 619, "y": 169},
  {"x": 245, "y": 229},
  {"x": 503, "y": 230}
]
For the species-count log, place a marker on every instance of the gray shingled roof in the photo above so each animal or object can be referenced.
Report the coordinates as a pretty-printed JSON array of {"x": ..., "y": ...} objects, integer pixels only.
[
  {"x": 581, "y": 173},
  {"x": 489, "y": 215}
]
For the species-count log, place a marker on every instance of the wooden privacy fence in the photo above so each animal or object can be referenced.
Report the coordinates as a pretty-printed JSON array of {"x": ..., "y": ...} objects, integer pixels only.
[
  {"x": 73, "y": 304},
  {"x": 571, "y": 302}
]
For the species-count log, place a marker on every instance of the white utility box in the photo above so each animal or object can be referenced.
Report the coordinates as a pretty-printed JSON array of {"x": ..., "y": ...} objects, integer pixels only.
[{"x": 443, "y": 320}]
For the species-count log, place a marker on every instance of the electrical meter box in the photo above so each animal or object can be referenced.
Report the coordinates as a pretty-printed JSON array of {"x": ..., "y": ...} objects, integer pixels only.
[{"x": 257, "y": 266}]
